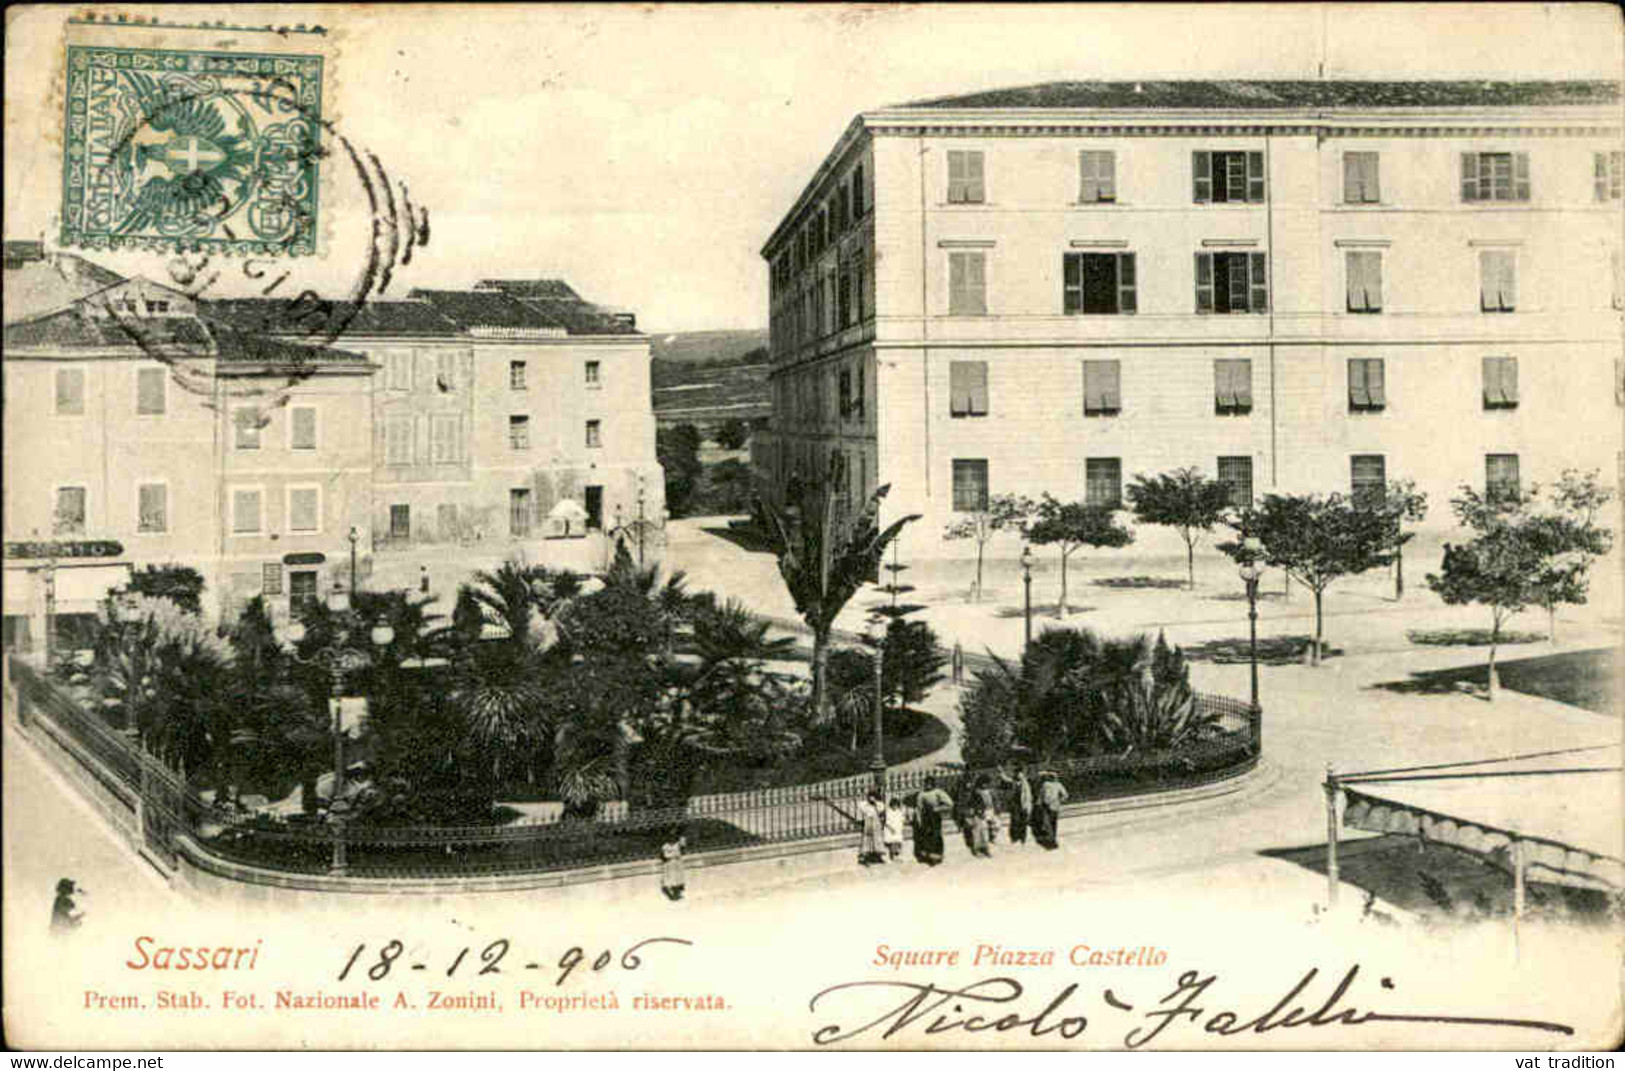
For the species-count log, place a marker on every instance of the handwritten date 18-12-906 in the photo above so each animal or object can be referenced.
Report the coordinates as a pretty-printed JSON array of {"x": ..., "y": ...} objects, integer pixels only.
[{"x": 492, "y": 956}]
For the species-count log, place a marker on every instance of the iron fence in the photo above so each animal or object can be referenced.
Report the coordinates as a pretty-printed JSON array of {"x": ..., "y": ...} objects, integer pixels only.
[{"x": 762, "y": 817}]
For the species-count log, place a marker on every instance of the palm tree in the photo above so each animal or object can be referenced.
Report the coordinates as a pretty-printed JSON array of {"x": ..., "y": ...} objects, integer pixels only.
[{"x": 825, "y": 556}]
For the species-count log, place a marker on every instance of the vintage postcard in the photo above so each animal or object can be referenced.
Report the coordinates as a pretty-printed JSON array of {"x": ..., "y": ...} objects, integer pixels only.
[{"x": 828, "y": 527}]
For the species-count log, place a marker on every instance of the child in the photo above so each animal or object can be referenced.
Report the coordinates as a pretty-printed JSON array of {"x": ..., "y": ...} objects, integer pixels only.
[
  {"x": 894, "y": 828},
  {"x": 672, "y": 876}
]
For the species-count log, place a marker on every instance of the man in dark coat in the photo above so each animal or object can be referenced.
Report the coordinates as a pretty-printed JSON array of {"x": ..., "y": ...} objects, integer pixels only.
[{"x": 64, "y": 918}]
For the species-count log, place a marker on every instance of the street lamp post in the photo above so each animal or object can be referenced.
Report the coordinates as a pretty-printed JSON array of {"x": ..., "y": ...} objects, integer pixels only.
[
  {"x": 640, "y": 520},
  {"x": 1027, "y": 606},
  {"x": 877, "y": 763},
  {"x": 355, "y": 537},
  {"x": 337, "y": 658},
  {"x": 1250, "y": 574},
  {"x": 50, "y": 610}
]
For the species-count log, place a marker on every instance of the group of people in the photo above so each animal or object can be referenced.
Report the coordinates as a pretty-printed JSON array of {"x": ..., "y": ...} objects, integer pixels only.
[{"x": 1035, "y": 807}]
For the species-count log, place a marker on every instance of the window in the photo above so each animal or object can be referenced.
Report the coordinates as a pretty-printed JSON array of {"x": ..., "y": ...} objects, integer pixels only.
[
  {"x": 150, "y": 385},
  {"x": 446, "y": 438},
  {"x": 446, "y": 372},
  {"x": 1500, "y": 383},
  {"x": 1366, "y": 393},
  {"x": 857, "y": 393},
  {"x": 1495, "y": 176},
  {"x": 70, "y": 392},
  {"x": 246, "y": 511},
  {"x": 400, "y": 370},
  {"x": 1363, "y": 270},
  {"x": 516, "y": 375},
  {"x": 967, "y": 388},
  {"x": 400, "y": 521},
  {"x": 1498, "y": 280},
  {"x": 398, "y": 441},
  {"x": 1103, "y": 482},
  {"x": 592, "y": 372},
  {"x": 965, "y": 185},
  {"x": 304, "y": 509},
  {"x": 967, "y": 284},
  {"x": 1233, "y": 387},
  {"x": 152, "y": 508},
  {"x": 1097, "y": 176},
  {"x": 1360, "y": 185},
  {"x": 595, "y": 434},
  {"x": 970, "y": 485},
  {"x": 1609, "y": 169},
  {"x": 302, "y": 427},
  {"x": 1102, "y": 388},
  {"x": 1368, "y": 476},
  {"x": 593, "y": 500},
  {"x": 857, "y": 193},
  {"x": 1228, "y": 176},
  {"x": 1501, "y": 478},
  {"x": 271, "y": 578},
  {"x": 1098, "y": 283},
  {"x": 246, "y": 421},
  {"x": 519, "y": 433},
  {"x": 1232, "y": 282},
  {"x": 519, "y": 512},
  {"x": 70, "y": 511},
  {"x": 301, "y": 586},
  {"x": 1236, "y": 473},
  {"x": 843, "y": 290},
  {"x": 846, "y": 393}
]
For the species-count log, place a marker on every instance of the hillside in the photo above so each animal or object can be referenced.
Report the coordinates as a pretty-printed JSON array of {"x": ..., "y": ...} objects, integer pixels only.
[{"x": 697, "y": 377}]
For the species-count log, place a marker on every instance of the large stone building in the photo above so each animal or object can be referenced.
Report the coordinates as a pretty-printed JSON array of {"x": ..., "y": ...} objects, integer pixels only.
[
  {"x": 1293, "y": 286},
  {"x": 448, "y": 430}
]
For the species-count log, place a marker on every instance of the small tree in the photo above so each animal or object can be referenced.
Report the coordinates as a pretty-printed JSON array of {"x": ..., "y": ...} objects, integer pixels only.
[
  {"x": 1574, "y": 541},
  {"x": 1183, "y": 500},
  {"x": 1315, "y": 540},
  {"x": 180, "y": 584},
  {"x": 1012, "y": 512},
  {"x": 733, "y": 434},
  {"x": 1071, "y": 525},
  {"x": 1399, "y": 501}
]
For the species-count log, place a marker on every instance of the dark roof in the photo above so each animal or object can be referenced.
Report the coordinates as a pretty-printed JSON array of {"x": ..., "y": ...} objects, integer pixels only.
[
  {"x": 531, "y": 288},
  {"x": 73, "y": 329},
  {"x": 269, "y": 316},
  {"x": 1283, "y": 94}
]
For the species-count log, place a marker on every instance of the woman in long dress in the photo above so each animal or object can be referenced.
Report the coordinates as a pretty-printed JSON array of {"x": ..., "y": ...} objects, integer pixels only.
[
  {"x": 870, "y": 847},
  {"x": 673, "y": 872},
  {"x": 932, "y": 805},
  {"x": 975, "y": 815}
]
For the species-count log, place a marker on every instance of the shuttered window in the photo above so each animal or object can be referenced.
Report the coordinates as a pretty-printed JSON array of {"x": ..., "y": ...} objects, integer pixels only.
[
  {"x": 967, "y": 388},
  {"x": 1232, "y": 282},
  {"x": 271, "y": 578},
  {"x": 152, "y": 508},
  {"x": 70, "y": 392},
  {"x": 1363, "y": 269},
  {"x": 1368, "y": 476},
  {"x": 246, "y": 427},
  {"x": 1233, "y": 386},
  {"x": 595, "y": 434},
  {"x": 1367, "y": 392},
  {"x": 1098, "y": 283},
  {"x": 519, "y": 512},
  {"x": 1097, "y": 176},
  {"x": 70, "y": 511},
  {"x": 400, "y": 521},
  {"x": 304, "y": 509},
  {"x": 398, "y": 441},
  {"x": 246, "y": 511},
  {"x": 1360, "y": 178},
  {"x": 303, "y": 418},
  {"x": 1500, "y": 383},
  {"x": 1236, "y": 473},
  {"x": 446, "y": 439},
  {"x": 1102, "y": 388},
  {"x": 965, "y": 185},
  {"x": 1608, "y": 169},
  {"x": 970, "y": 485},
  {"x": 967, "y": 284},
  {"x": 1495, "y": 176},
  {"x": 446, "y": 372},
  {"x": 1232, "y": 176},
  {"x": 516, "y": 375},
  {"x": 1103, "y": 482},
  {"x": 150, "y": 386},
  {"x": 857, "y": 397},
  {"x": 1501, "y": 482},
  {"x": 1498, "y": 280},
  {"x": 519, "y": 433},
  {"x": 400, "y": 370}
]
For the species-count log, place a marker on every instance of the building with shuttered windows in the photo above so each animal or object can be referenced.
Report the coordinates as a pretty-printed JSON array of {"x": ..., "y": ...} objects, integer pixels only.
[{"x": 1292, "y": 286}]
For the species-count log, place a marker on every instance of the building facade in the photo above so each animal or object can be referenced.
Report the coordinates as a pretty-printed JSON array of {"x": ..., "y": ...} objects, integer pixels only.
[{"x": 1290, "y": 286}]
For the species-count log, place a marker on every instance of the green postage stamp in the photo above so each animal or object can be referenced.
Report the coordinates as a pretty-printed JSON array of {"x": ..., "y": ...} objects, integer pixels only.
[{"x": 192, "y": 150}]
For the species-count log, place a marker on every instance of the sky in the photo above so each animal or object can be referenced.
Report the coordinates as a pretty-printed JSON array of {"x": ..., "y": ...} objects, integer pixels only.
[{"x": 644, "y": 153}]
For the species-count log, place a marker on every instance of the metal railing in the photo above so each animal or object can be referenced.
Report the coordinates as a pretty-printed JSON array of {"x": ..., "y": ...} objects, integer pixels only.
[{"x": 758, "y": 818}]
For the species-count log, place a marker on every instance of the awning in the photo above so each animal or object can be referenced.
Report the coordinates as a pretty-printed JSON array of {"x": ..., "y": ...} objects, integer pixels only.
[{"x": 1565, "y": 807}]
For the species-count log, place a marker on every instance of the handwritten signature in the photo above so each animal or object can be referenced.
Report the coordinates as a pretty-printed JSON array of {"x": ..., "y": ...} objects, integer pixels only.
[{"x": 1063, "y": 1017}]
